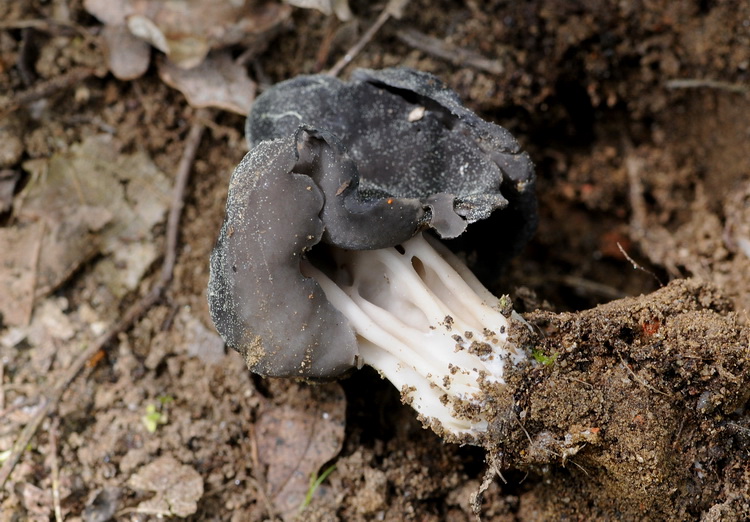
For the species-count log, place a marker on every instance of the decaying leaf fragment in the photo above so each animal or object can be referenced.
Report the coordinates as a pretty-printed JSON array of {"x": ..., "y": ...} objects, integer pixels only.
[
  {"x": 19, "y": 252},
  {"x": 185, "y": 31},
  {"x": 217, "y": 82},
  {"x": 295, "y": 440},
  {"x": 177, "y": 487},
  {"x": 90, "y": 200}
]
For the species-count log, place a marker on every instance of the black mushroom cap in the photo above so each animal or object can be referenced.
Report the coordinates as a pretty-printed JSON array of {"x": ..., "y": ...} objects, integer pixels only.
[
  {"x": 261, "y": 304},
  {"x": 359, "y": 165},
  {"x": 410, "y": 137}
]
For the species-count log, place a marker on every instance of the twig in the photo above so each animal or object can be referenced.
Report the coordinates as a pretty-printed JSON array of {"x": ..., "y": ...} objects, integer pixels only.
[
  {"x": 132, "y": 314},
  {"x": 582, "y": 285},
  {"x": 178, "y": 194},
  {"x": 489, "y": 478},
  {"x": 636, "y": 266},
  {"x": 393, "y": 8},
  {"x": 523, "y": 428},
  {"x": 45, "y": 88},
  {"x": 580, "y": 381},
  {"x": 640, "y": 230},
  {"x": 593, "y": 287},
  {"x": 695, "y": 83},
  {"x": 634, "y": 166},
  {"x": 55, "y": 469},
  {"x": 41, "y": 25},
  {"x": 455, "y": 55},
  {"x": 324, "y": 51},
  {"x": 23, "y": 440},
  {"x": 23, "y": 403}
]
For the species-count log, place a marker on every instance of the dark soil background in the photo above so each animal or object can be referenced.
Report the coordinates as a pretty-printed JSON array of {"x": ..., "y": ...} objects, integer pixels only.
[{"x": 637, "y": 116}]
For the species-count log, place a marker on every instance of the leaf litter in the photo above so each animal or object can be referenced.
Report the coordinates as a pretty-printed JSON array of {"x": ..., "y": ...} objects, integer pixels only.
[
  {"x": 176, "y": 487},
  {"x": 295, "y": 439},
  {"x": 187, "y": 33},
  {"x": 93, "y": 200}
]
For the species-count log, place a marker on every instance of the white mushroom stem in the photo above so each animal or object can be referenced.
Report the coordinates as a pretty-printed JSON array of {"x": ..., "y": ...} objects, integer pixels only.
[{"x": 427, "y": 324}]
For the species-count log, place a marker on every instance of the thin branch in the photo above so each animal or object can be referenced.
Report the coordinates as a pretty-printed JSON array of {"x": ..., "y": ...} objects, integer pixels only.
[
  {"x": 580, "y": 381},
  {"x": 696, "y": 83},
  {"x": 392, "y": 9},
  {"x": 132, "y": 314},
  {"x": 178, "y": 194},
  {"x": 55, "y": 469},
  {"x": 636, "y": 266},
  {"x": 41, "y": 25},
  {"x": 23, "y": 403},
  {"x": 581, "y": 285},
  {"x": 324, "y": 51},
  {"x": 44, "y": 89},
  {"x": 456, "y": 55}
]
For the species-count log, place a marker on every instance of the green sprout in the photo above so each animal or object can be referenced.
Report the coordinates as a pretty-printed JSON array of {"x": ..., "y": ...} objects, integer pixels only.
[
  {"x": 542, "y": 358},
  {"x": 315, "y": 481},
  {"x": 165, "y": 399},
  {"x": 154, "y": 416}
]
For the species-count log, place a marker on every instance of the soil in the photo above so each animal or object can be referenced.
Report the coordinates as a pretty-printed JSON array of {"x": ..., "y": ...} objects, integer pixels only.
[{"x": 636, "y": 284}]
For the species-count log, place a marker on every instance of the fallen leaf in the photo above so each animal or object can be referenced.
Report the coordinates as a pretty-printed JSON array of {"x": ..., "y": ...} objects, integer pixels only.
[
  {"x": 217, "y": 82},
  {"x": 177, "y": 488},
  {"x": 19, "y": 253},
  {"x": 93, "y": 199},
  {"x": 8, "y": 180},
  {"x": 295, "y": 440},
  {"x": 68, "y": 243},
  {"x": 50, "y": 327},
  {"x": 187, "y": 31},
  {"x": 127, "y": 55}
]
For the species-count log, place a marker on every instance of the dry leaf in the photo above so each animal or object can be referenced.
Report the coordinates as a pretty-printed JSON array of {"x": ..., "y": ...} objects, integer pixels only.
[
  {"x": 8, "y": 180},
  {"x": 50, "y": 328},
  {"x": 92, "y": 199},
  {"x": 127, "y": 55},
  {"x": 19, "y": 252},
  {"x": 177, "y": 488},
  {"x": 187, "y": 31},
  {"x": 295, "y": 440},
  {"x": 68, "y": 243},
  {"x": 217, "y": 82}
]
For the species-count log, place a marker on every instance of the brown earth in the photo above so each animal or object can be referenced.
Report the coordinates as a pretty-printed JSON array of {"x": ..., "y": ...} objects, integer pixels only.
[{"x": 636, "y": 115}]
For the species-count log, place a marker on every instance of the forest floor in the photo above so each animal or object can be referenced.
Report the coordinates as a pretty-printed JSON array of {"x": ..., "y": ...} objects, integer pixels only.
[{"x": 637, "y": 117}]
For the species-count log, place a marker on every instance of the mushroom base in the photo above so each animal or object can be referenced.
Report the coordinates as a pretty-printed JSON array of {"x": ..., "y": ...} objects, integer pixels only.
[{"x": 427, "y": 324}]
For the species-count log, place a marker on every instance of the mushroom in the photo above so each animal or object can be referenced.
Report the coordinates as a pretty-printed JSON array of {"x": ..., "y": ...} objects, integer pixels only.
[{"x": 326, "y": 260}]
